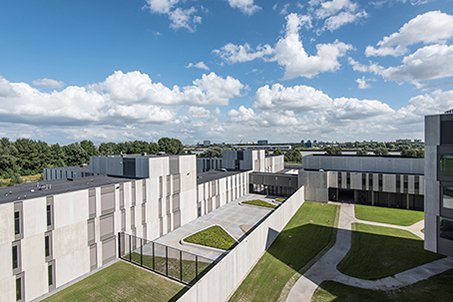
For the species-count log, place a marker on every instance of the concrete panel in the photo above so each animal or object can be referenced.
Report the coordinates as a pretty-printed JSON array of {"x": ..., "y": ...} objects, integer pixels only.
[
  {"x": 72, "y": 208},
  {"x": 34, "y": 216},
  {"x": 36, "y": 282},
  {"x": 69, "y": 239},
  {"x": 356, "y": 181},
  {"x": 8, "y": 288},
  {"x": 389, "y": 182},
  {"x": 6, "y": 263},
  {"x": 430, "y": 232},
  {"x": 72, "y": 265},
  {"x": 32, "y": 249},
  {"x": 432, "y": 130},
  {"x": 431, "y": 162},
  {"x": 7, "y": 219}
]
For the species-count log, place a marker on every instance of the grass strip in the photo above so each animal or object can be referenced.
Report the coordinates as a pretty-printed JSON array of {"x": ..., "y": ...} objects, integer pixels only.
[
  {"x": 437, "y": 288},
  {"x": 378, "y": 252},
  {"x": 388, "y": 215},
  {"x": 120, "y": 281},
  {"x": 259, "y": 202},
  {"x": 307, "y": 233},
  {"x": 214, "y": 236}
]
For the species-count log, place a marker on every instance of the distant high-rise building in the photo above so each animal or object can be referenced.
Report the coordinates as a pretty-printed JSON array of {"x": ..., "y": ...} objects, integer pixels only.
[
  {"x": 263, "y": 142},
  {"x": 302, "y": 142},
  {"x": 206, "y": 143}
]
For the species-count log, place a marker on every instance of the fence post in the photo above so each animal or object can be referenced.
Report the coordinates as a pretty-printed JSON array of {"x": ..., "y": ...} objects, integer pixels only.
[
  {"x": 130, "y": 248},
  {"x": 154, "y": 258},
  {"x": 119, "y": 245},
  {"x": 196, "y": 268},
  {"x": 180, "y": 264},
  {"x": 166, "y": 260},
  {"x": 141, "y": 251}
]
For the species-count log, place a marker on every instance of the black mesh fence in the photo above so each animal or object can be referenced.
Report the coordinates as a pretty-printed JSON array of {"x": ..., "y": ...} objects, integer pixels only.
[{"x": 168, "y": 261}]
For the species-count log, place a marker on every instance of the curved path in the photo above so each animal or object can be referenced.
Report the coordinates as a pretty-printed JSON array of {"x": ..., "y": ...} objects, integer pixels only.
[{"x": 325, "y": 268}]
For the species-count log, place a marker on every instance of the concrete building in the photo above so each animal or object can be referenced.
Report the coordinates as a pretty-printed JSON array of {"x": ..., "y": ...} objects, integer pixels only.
[
  {"x": 439, "y": 183},
  {"x": 263, "y": 142},
  {"x": 388, "y": 181},
  {"x": 66, "y": 172},
  {"x": 255, "y": 160}
]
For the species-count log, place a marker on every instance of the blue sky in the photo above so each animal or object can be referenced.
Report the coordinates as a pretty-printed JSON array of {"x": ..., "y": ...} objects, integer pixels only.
[{"x": 223, "y": 70}]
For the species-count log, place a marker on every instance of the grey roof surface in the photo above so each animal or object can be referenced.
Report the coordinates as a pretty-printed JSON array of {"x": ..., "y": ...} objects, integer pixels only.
[
  {"x": 57, "y": 186},
  {"x": 215, "y": 174},
  {"x": 274, "y": 174},
  {"x": 142, "y": 155},
  {"x": 80, "y": 168}
]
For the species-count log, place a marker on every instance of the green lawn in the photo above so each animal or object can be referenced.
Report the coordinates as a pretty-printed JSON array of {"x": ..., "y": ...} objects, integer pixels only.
[
  {"x": 438, "y": 288},
  {"x": 308, "y": 232},
  {"x": 259, "y": 202},
  {"x": 173, "y": 268},
  {"x": 280, "y": 199},
  {"x": 388, "y": 215},
  {"x": 120, "y": 281},
  {"x": 214, "y": 236},
  {"x": 378, "y": 252}
]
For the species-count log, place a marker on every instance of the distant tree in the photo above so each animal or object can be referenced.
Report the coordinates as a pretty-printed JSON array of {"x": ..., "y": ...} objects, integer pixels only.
[
  {"x": 108, "y": 148},
  {"x": 278, "y": 152},
  {"x": 153, "y": 148},
  {"x": 421, "y": 153},
  {"x": 381, "y": 151},
  {"x": 361, "y": 152},
  {"x": 75, "y": 154},
  {"x": 170, "y": 145},
  {"x": 212, "y": 152},
  {"x": 293, "y": 156},
  {"x": 89, "y": 148},
  {"x": 333, "y": 151},
  {"x": 409, "y": 152},
  {"x": 57, "y": 156}
]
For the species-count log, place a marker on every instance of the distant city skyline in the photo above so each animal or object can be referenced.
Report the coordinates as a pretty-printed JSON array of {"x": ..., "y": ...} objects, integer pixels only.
[{"x": 224, "y": 71}]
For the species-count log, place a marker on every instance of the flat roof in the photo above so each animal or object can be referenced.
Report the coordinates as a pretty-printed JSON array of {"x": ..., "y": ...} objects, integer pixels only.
[
  {"x": 79, "y": 168},
  {"x": 53, "y": 187},
  {"x": 215, "y": 174},
  {"x": 362, "y": 171},
  {"x": 144, "y": 155},
  {"x": 368, "y": 156},
  {"x": 280, "y": 173}
]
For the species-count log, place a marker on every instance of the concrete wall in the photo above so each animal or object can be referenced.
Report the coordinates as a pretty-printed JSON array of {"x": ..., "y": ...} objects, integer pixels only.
[
  {"x": 432, "y": 186},
  {"x": 225, "y": 277},
  {"x": 375, "y": 164}
]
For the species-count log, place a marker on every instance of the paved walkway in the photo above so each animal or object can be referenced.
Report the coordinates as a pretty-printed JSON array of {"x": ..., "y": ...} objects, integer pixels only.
[
  {"x": 325, "y": 268},
  {"x": 230, "y": 216}
]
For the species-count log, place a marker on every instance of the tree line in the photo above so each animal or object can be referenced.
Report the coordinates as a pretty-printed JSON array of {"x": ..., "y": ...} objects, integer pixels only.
[{"x": 28, "y": 157}]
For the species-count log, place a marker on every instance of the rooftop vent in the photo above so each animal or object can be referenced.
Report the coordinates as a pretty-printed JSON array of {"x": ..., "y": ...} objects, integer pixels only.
[{"x": 449, "y": 111}]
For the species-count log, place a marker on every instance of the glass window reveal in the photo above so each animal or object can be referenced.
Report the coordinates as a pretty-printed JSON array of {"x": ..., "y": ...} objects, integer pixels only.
[
  {"x": 447, "y": 198},
  {"x": 446, "y": 228},
  {"x": 446, "y": 165}
]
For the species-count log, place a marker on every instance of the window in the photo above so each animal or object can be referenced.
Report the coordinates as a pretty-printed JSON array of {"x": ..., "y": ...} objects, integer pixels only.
[
  {"x": 19, "y": 289},
  {"x": 446, "y": 228},
  {"x": 398, "y": 183},
  {"x": 15, "y": 256},
  {"x": 47, "y": 245},
  {"x": 50, "y": 275},
  {"x": 447, "y": 197},
  {"x": 17, "y": 223},
  {"x": 49, "y": 214},
  {"x": 446, "y": 165}
]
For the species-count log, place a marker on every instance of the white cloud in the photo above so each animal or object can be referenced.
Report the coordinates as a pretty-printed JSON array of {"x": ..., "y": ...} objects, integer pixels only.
[
  {"x": 48, "y": 83},
  {"x": 179, "y": 17},
  {"x": 242, "y": 114},
  {"x": 199, "y": 113},
  {"x": 330, "y": 8},
  {"x": 431, "y": 27},
  {"x": 243, "y": 53},
  {"x": 284, "y": 10},
  {"x": 335, "y": 22},
  {"x": 363, "y": 83},
  {"x": 200, "y": 65},
  {"x": 357, "y": 66},
  {"x": 246, "y": 6},
  {"x": 291, "y": 54},
  {"x": 297, "y": 98}
]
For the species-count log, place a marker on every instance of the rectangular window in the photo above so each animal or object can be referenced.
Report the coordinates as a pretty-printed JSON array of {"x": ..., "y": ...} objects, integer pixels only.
[
  {"x": 446, "y": 165},
  {"x": 380, "y": 181},
  {"x": 15, "y": 257},
  {"x": 339, "y": 179},
  {"x": 17, "y": 223},
  {"x": 168, "y": 185},
  {"x": 447, "y": 197},
  {"x": 370, "y": 181},
  {"x": 50, "y": 275},
  {"x": 49, "y": 214},
  {"x": 446, "y": 228},
  {"x": 18, "y": 289},
  {"x": 398, "y": 183},
  {"x": 161, "y": 189},
  {"x": 47, "y": 245}
]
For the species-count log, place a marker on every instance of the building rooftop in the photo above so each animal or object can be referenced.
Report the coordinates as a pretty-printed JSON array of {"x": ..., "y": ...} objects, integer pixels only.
[
  {"x": 52, "y": 187},
  {"x": 80, "y": 168},
  {"x": 160, "y": 154},
  {"x": 215, "y": 174}
]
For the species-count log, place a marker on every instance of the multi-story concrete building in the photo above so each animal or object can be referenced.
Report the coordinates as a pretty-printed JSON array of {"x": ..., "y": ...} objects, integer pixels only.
[
  {"x": 66, "y": 172},
  {"x": 439, "y": 183},
  {"x": 388, "y": 181}
]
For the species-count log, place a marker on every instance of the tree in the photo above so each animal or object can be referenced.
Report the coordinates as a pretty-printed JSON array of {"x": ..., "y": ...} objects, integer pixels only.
[
  {"x": 293, "y": 156},
  {"x": 170, "y": 145},
  {"x": 362, "y": 152},
  {"x": 75, "y": 154},
  {"x": 409, "y": 152},
  {"x": 381, "y": 151},
  {"x": 333, "y": 151},
  {"x": 89, "y": 148},
  {"x": 421, "y": 153},
  {"x": 278, "y": 152},
  {"x": 212, "y": 152}
]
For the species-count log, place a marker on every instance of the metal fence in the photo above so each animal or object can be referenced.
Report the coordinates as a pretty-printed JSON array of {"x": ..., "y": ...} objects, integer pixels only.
[{"x": 165, "y": 260}]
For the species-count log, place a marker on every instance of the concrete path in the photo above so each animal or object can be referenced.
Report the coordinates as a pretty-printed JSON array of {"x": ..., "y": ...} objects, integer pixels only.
[
  {"x": 325, "y": 268},
  {"x": 230, "y": 216}
]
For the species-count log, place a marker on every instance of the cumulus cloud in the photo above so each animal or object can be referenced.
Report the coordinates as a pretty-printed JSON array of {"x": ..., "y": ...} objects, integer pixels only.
[
  {"x": 290, "y": 53},
  {"x": 49, "y": 83},
  {"x": 431, "y": 27},
  {"x": 335, "y": 22},
  {"x": 297, "y": 98},
  {"x": 179, "y": 17},
  {"x": 242, "y": 114},
  {"x": 336, "y": 13},
  {"x": 246, "y": 6},
  {"x": 363, "y": 83},
  {"x": 199, "y": 65},
  {"x": 122, "y": 98}
]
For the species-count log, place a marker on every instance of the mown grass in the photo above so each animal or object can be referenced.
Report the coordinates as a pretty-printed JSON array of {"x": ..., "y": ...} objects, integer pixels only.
[
  {"x": 307, "y": 233},
  {"x": 388, "y": 215},
  {"x": 438, "y": 288},
  {"x": 259, "y": 202},
  {"x": 214, "y": 236},
  {"x": 378, "y": 252},
  {"x": 120, "y": 281},
  {"x": 280, "y": 199},
  {"x": 29, "y": 178}
]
